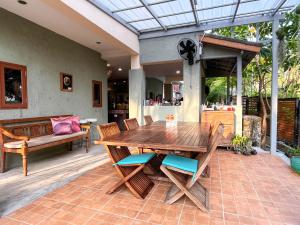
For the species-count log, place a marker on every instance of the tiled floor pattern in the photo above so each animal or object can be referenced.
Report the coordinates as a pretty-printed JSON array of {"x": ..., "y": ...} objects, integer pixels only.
[{"x": 257, "y": 189}]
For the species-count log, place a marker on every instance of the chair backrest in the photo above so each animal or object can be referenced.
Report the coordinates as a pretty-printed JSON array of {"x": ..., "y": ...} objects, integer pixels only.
[
  {"x": 131, "y": 124},
  {"x": 216, "y": 137},
  {"x": 108, "y": 130},
  {"x": 214, "y": 127},
  {"x": 203, "y": 159},
  {"x": 148, "y": 119}
]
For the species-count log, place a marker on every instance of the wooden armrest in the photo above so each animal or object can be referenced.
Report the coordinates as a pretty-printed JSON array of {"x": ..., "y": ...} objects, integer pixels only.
[{"x": 12, "y": 136}]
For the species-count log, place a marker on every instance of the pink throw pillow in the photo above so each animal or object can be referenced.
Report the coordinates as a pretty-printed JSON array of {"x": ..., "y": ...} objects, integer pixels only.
[
  {"x": 61, "y": 125},
  {"x": 75, "y": 123},
  {"x": 65, "y": 125}
]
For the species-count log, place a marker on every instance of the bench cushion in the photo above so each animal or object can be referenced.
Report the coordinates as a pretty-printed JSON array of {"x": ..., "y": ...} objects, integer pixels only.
[{"x": 36, "y": 141}]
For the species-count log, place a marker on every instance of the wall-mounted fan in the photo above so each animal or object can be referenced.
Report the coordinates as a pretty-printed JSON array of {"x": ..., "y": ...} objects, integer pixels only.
[{"x": 187, "y": 49}]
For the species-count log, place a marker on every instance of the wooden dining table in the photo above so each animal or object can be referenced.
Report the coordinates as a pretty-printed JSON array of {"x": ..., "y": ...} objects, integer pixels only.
[{"x": 165, "y": 136}]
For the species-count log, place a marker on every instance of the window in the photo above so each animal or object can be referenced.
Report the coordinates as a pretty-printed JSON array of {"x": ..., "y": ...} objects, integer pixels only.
[
  {"x": 97, "y": 93},
  {"x": 13, "y": 86}
]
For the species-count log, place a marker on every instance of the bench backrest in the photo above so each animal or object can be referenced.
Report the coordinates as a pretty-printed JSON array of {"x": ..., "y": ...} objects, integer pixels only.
[{"x": 30, "y": 127}]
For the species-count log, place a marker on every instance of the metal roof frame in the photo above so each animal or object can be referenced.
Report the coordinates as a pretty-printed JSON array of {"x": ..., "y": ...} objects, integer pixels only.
[
  {"x": 190, "y": 11},
  {"x": 209, "y": 26},
  {"x": 250, "y": 17},
  {"x": 145, "y": 4},
  {"x": 281, "y": 2},
  {"x": 236, "y": 9},
  {"x": 194, "y": 12},
  {"x": 104, "y": 9},
  {"x": 197, "y": 25},
  {"x": 141, "y": 6}
]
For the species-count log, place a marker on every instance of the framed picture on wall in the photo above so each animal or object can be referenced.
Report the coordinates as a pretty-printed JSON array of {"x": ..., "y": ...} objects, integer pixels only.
[
  {"x": 97, "y": 93},
  {"x": 66, "y": 82}
]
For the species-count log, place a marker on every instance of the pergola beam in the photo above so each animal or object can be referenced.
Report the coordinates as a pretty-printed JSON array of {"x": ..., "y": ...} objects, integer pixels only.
[
  {"x": 194, "y": 12},
  {"x": 236, "y": 10},
  {"x": 145, "y": 4},
  {"x": 279, "y": 5}
]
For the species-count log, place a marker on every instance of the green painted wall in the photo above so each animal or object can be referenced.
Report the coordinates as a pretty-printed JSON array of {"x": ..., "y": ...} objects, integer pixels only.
[{"x": 46, "y": 54}]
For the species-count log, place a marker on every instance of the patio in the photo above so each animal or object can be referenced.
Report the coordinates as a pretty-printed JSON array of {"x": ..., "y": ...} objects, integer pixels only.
[
  {"x": 91, "y": 72},
  {"x": 259, "y": 189}
]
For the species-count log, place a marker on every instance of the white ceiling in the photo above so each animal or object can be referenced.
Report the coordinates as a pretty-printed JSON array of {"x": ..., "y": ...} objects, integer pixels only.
[
  {"x": 45, "y": 13},
  {"x": 162, "y": 70}
]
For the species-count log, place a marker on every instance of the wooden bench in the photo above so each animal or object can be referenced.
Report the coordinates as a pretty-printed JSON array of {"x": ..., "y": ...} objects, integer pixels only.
[{"x": 26, "y": 135}]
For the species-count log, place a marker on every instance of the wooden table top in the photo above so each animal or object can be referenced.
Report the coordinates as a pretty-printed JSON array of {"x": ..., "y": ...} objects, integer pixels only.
[{"x": 185, "y": 136}]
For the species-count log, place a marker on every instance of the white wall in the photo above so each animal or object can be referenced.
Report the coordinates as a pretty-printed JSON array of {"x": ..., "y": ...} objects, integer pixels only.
[{"x": 160, "y": 112}]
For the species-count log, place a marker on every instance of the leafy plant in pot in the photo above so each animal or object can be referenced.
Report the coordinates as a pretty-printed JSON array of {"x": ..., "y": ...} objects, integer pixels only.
[
  {"x": 294, "y": 154},
  {"x": 243, "y": 145}
]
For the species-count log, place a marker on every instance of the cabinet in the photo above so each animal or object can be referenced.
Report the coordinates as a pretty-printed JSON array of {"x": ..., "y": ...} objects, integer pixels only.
[{"x": 226, "y": 118}]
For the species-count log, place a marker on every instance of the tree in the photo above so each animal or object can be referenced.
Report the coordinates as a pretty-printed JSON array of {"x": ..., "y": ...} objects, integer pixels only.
[{"x": 259, "y": 72}]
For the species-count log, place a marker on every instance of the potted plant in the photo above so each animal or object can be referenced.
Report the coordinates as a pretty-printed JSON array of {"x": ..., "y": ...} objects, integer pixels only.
[
  {"x": 294, "y": 154},
  {"x": 243, "y": 145}
]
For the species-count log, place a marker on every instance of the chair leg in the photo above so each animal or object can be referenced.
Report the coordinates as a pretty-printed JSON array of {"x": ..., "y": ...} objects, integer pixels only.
[
  {"x": 140, "y": 150},
  {"x": 24, "y": 158},
  {"x": 70, "y": 146},
  {"x": 207, "y": 171},
  {"x": 3, "y": 161},
  {"x": 125, "y": 180},
  {"x": 87, "y": 141},
  {"x": 183, "y": 191}
]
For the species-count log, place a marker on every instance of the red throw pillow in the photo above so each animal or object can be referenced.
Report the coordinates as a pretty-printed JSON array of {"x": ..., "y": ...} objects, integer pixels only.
[{"x": 61, "y": 125}]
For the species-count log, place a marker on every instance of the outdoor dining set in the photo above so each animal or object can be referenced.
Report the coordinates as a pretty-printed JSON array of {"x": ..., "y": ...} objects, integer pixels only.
[{"x": 177, "y": 152}]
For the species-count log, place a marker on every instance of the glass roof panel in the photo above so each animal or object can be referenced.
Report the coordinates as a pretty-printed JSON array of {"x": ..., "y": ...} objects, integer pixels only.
[
  {"x": 179, "y": 20},
  {"x": 119, "y": 4},
  {"x": 146, "y": 25},
  {"x": 135, "y": 14},
  {"x": 176, "y": 13}
]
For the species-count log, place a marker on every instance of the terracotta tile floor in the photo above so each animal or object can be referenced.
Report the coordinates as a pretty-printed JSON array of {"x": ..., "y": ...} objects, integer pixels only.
[{"x": 243, "y": 190}]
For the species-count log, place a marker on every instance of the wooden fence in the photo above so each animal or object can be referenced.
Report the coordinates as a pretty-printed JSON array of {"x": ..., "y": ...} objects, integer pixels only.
[{"x": 288, "y": 125}]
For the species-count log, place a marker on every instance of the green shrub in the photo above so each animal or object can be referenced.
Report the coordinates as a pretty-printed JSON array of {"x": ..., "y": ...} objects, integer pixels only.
[
  {"x": 294, "y": 151},
  {"x": 242, "y": 144}
]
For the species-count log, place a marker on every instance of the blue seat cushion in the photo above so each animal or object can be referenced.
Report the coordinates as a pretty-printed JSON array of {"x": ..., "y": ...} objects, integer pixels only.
[
  {"x": 179, "y": 162},
  {"x": 136, "y": 159}
]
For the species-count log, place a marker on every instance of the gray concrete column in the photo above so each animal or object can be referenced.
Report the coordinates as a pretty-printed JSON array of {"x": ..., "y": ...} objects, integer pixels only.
[
  {"x": 192, "y": 92},
  {"x": 274, "y": 98},
  {"x": 239, "y": 106},
  {"x": 137, "y": 87}
]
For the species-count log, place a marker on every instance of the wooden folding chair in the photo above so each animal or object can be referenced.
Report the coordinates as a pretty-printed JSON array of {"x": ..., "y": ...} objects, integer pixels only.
[
  {"x": 129, "y": 167},
  {"x": 131, "y": 124},
  {"x": 148, "y": 120},
  {"x": 186, "y": 173}
]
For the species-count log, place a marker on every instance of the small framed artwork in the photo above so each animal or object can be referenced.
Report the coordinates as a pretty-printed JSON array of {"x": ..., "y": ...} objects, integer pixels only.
[
  {"x": 66, "y": 82},
  {"x": 97, "y": 93}
]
